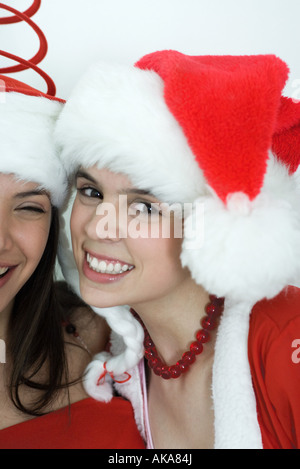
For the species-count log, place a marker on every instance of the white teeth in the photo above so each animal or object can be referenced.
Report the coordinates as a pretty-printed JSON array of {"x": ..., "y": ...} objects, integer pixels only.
[
  {"x": 94, "y": 263},
  {"x": 102, "y": 266},
  {"x": 106, "y": 267},
  {"x": 3, "y": 270}
]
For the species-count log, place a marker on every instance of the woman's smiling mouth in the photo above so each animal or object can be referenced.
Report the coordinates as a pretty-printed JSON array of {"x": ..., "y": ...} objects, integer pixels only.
[
  {"x": 5, "y": 274},
  {"x": 104, "y": 269},
  {"x": 3, "y": 271}
]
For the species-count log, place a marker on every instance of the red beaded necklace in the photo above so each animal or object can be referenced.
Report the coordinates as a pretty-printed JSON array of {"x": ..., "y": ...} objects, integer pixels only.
[{"x": 208, "y": 323}]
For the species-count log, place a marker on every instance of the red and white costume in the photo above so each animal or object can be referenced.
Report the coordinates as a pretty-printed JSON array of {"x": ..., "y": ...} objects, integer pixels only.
[{"x": 215, "y": 132}]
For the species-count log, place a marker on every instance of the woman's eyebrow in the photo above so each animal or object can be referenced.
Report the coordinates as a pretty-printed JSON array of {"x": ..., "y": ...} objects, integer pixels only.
[
  {"x": 22, "y": 195},
  {"x": 83, "y": 174},
  {"x": 134, "y": 190}
]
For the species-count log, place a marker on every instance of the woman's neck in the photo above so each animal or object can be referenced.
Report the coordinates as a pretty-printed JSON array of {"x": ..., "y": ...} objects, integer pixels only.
[{"x": 173, "y": 321}]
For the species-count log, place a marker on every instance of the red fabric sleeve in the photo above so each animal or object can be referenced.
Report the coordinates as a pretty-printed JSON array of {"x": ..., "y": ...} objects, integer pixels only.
[
  {"x": 88, "y": 424},
  {"x": 275, "y": 367}
]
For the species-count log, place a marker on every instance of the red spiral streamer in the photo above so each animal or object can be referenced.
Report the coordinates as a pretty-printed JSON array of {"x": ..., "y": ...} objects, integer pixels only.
[
  {"x": 38, "y": 57},
  {"x": 26, "y": 64},
  {"x": 29, "y": 13}
]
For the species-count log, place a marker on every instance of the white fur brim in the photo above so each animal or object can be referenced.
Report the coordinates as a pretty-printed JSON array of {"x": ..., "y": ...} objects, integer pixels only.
[
  {"x": 117, "y": 118},
  {"x": 26, "y": 142},
  {"x": 236, "y": 425}
]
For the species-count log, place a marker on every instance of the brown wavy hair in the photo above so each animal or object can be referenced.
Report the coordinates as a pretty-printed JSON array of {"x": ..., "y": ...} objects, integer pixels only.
[{"x": 35, "y": 334}]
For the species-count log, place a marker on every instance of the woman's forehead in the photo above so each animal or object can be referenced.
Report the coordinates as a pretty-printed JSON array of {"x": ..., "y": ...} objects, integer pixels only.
[{"x": 12, "y": 183}]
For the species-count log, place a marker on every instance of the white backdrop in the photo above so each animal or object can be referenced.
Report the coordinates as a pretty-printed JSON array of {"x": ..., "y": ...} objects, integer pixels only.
[{"x": 80, "y": 32}]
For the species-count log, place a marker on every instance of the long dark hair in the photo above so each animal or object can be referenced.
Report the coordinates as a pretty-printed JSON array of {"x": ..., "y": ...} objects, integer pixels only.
[{"x": 35, "y": 334}]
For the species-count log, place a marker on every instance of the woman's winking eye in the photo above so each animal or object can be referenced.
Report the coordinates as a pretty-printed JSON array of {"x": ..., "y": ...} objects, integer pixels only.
[{"x": 31, "y": 208}]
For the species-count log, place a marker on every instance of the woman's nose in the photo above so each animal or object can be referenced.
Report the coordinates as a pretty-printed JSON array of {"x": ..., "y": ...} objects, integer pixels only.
[
  {"x": 109, "y": 222},
  {"x": 5, "y": 232}
]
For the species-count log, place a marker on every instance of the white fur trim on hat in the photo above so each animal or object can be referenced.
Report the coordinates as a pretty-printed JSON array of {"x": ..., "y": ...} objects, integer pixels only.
[
  {"x": 117, "y": 118},
  {"x": 26, "y": 142},
  {"x": 236, "y": 425}
]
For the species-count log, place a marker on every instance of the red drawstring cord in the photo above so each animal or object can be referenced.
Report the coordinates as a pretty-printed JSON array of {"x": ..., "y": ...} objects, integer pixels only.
[{"x": 102, "y": 376}]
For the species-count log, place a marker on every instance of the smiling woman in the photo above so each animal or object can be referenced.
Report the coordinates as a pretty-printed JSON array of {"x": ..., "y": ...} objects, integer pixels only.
[
  {"x": 28, "y": 239},
  {"x": 202, "y": 325},
  {"x": 39, "y": 318},
  {"x": 121, "y": 261},
  {"x": 26, "y": 215}
]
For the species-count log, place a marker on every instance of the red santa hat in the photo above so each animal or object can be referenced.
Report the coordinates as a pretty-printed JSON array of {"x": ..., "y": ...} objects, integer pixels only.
[
  {"x": 27, "y": 118},
  {"x": 206, "y": 130},
  {"x": 214, "y": 131}
]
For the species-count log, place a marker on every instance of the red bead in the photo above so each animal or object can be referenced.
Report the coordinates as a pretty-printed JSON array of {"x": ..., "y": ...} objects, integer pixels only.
[
  {"x": 219, "y": 301},
  {"x": 196, "y": 347},
  {"x": 211, "y": 309},
  {"x": 183, "y": 366},
  {"x": 202, "y": 336},
  {"x": 216, "y": 300},
  {"x": 165, "y": 372},
  {"x": 175, "y": 371},
  {"x": 208, "y": 323},
  {"x": 188, "y": 357},
  {"x": 150, "y": 353},
  {"x": 157, "y": 369},
  {"x": 152, "y": 362},
  {"x": 148, "y": 342}
]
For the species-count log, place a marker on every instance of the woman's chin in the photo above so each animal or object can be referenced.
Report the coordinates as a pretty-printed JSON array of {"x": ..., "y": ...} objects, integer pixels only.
[{"x": 96, "y": 297}]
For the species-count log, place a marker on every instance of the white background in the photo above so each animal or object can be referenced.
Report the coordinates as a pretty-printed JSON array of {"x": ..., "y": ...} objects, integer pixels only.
[{"x": 80, "y": 32}]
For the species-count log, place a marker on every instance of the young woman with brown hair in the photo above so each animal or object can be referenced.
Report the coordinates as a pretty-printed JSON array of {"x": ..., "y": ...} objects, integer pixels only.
[
  {"x": 214, "y": 136},
  {"x": 50, "y": 335}
]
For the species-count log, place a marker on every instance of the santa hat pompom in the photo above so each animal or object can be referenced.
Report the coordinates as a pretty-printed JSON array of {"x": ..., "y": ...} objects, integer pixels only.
[{"x": 246, "y": 249}]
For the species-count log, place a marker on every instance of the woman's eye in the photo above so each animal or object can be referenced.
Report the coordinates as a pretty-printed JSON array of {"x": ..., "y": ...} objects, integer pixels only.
[
  {"x": 144, "y": 208},
  {"x": 90, "y": 192},
  {"x": 32, "y": 209}
]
